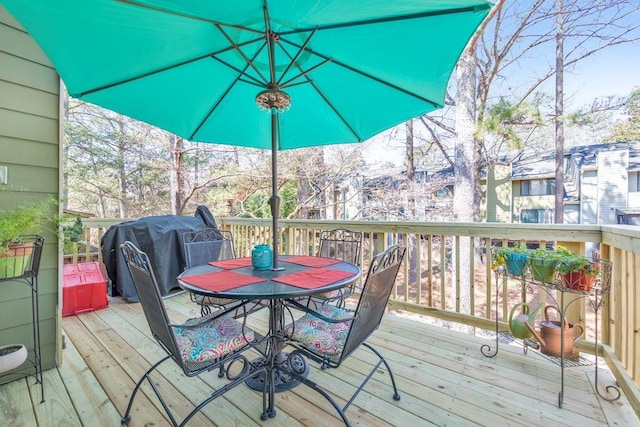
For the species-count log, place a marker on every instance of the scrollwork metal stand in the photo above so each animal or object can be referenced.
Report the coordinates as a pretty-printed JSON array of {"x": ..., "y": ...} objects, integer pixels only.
[
  {"x": 524, "y": 288},
  {"x": 595, "y": 298},
  {"x": 22, "y": 267}
]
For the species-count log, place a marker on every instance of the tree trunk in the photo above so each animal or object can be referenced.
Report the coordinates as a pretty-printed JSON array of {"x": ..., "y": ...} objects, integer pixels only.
[
  {"x": 303, "y": 194},
  {"x": 559, "y": 119},
  {"x": 122, "y": 172},
  {"x": 465, "y": 199},
  {"x": 410, "y": 214},
  {"x": 177, "y": 190}
]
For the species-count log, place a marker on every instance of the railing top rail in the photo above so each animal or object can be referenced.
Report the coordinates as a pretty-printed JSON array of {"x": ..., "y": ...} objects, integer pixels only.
[
  {"x": 564, "y": 232},
  {"x": 626, "y": 237}
]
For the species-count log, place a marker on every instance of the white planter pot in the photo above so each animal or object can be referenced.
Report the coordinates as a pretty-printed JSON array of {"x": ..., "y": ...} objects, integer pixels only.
[{"x": 12, "y": 356}]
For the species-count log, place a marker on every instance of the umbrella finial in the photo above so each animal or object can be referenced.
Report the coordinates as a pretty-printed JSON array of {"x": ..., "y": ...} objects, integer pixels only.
[{"x": 273, "y": 98}]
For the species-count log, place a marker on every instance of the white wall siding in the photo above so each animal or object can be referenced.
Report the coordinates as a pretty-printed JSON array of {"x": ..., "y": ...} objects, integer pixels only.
[
  {"x": 589, "y": 197},
  {"x": 612, "y": 184}
]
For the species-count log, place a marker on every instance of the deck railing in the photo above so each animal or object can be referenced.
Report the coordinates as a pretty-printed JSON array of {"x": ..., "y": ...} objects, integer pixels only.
[{"x": 435, "y": 282}]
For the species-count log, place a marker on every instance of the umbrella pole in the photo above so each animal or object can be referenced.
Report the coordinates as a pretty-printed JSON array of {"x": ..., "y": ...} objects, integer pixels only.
[{"x": 274, "y": 201}]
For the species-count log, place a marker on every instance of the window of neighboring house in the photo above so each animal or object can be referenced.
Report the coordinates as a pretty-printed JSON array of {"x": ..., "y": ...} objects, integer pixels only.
[
  {"x": 537, "y": 216},
  {"x": 634, "y": 181},
  {"x": 537, "y": 187},
  {"x": 444, "y": 194}
]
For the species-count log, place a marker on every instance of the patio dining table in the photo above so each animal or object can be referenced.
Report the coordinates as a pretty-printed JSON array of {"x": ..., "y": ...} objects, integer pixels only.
[{"x": 301, "y": 276}]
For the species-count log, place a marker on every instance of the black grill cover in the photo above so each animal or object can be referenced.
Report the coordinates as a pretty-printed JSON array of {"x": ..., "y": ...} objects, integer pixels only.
[{"x": 161, "y": 238}]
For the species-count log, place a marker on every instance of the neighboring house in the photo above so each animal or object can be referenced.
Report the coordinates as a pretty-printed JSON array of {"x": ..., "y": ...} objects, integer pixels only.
[
  {"x": 383, "y": 195},
  {"x": 602, "y": 186},
  {"x": 30, "y": 139}
]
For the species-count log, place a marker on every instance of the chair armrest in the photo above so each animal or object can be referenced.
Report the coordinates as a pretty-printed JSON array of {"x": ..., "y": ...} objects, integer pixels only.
[
  {"x": 196, "y": 322},
  {"x": 306, "y": 309}
]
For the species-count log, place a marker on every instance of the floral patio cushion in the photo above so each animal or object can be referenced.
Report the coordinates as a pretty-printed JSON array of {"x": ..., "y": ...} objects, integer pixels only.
[
  {"x": 323, "y": 338},
  {"x": 213, "y": 339}
]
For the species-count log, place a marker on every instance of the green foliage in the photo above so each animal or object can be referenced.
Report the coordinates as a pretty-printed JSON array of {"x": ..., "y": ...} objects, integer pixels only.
[
  {"x": 574, "y": 262},
  {"x": 288, "y": 199},
  {"x": 257, "y": 205},
  {"x": 22, "y": 220},
  {"x": 545, "y": 254},
  {"x": 504, "y": 119},
  {"x": 502, "y": 253},
  {"x": 72, "y": 234},
  {"x": 629, "y": 129}
]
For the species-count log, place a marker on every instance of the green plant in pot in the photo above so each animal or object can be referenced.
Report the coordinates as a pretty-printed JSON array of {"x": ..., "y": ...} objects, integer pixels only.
[
  {"x": 15, "y": 224},
  {"x": 542, "y": 263},
  {"x": 513, "y": 258},
  {"x": 577, "y": 271}
]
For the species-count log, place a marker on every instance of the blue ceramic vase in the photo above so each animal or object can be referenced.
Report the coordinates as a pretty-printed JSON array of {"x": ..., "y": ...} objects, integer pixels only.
[{"x": 262, "y": 257}]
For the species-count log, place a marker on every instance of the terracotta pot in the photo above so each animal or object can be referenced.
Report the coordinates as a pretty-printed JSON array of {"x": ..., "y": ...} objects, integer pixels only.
[
  {"x": 16, "y": 261},
  {"x": 578, "y": 280}
]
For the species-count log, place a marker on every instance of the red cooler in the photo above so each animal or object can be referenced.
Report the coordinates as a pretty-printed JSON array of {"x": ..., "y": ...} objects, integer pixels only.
[{"x": 84, "y": 288}]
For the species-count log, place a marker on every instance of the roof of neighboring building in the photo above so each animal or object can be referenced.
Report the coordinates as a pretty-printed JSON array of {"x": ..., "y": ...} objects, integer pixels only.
[
  {"x": 586, "y": 156},
  {"x": 543, "y": 165},
  {"x": 534, "y": 166}
]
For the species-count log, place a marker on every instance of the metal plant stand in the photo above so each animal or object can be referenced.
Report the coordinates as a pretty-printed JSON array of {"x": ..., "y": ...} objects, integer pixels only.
[
  {"x": 22, "y": 267},
  {"x": 595, "y": 297}
]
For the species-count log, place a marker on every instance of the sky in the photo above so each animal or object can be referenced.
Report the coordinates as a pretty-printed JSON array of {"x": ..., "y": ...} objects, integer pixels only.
[{"x": 614, "y": 71}]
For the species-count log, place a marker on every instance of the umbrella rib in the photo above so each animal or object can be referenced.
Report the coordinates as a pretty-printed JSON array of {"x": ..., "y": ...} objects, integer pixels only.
[
  {"x": 141, "y": 76},
  {"x": 186, "y": 15},
  {"x": 241, "y": 52},
  {"x": 259, "y": 84},
  {"x": 472, "y": 9},
  {"x": 226, "y": 92},
  {"x": 303, "y": 73},
  {"x": 295, "y": 58},
  {"x": 256, "y": 81},
  {"x": 323, "y": 96},
  {"x": 160, "y": 70},
  {"x": 369, "y": 76}
]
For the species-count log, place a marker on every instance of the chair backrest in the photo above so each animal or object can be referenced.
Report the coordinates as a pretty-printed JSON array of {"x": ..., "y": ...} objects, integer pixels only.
[
  {"x": 208, "y": 244},
  {"x": 374, "y": 297},
  {"x": 341, "y": 244},
  {"x": 150, "y": 297}
]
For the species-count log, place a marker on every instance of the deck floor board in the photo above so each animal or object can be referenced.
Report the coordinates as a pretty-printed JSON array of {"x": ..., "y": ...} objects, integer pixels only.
[{"x": 442, "y": 376}]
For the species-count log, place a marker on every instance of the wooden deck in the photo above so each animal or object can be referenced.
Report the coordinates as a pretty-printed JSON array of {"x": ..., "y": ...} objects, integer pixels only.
[{"x": 442, "y": 377}]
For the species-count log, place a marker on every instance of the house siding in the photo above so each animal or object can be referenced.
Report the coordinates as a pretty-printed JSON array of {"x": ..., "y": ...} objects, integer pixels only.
[
  {"x": 612, "y": 184},
  {"x": 589, "y": 197},
  {"x": 30, "y": 148},
  {"x": 498, "y": 193}
]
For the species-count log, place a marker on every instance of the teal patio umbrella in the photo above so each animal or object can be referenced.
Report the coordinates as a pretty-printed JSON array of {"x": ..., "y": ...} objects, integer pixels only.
[{"x": 272, "y": 74}]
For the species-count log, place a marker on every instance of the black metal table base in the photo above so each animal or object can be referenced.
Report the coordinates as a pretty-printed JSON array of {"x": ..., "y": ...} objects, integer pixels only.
[{"x": 283, "y": 381}]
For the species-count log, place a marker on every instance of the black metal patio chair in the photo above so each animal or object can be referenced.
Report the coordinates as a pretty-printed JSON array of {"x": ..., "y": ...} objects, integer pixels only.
[
  {"x": 344, "y": 245},
  {"x": 331, "y": 334},
  {"x": 196, "y": 346},
  {"x": 201, "y": 247}
]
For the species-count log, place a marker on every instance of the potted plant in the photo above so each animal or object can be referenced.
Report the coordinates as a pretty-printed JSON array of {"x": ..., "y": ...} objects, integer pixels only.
[
  {"x": 542, "y": 263},
  {"x": 513, "y": 258},
  {"x": 577, "y": 271},
  {"x": 16, "y": 223}
]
